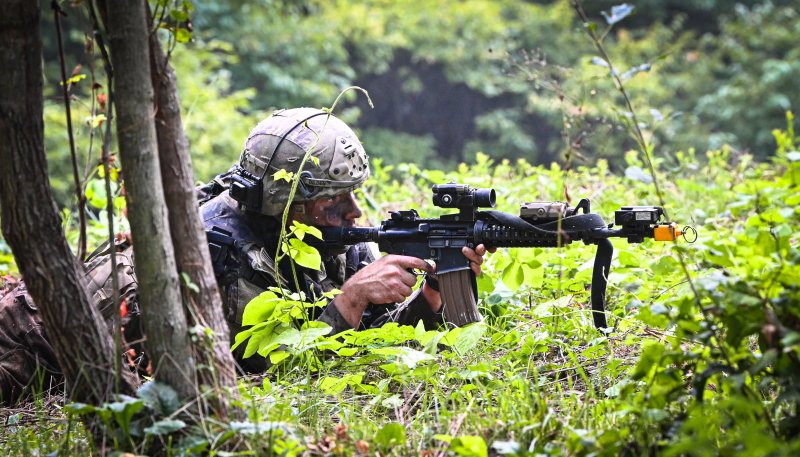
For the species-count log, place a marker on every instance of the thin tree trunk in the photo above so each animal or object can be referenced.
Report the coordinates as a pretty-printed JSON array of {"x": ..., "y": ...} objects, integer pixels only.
[
  {"x": 31, "y": 223},
  {"x": 162, "y": 311},
  {"x": 188, "y": 234}
]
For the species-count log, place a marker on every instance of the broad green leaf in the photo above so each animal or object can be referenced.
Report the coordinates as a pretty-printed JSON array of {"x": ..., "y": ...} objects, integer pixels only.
[
  {"x": 628, "y": 259},
  {"x": 513, "y": 276},
  {"x": 300, "y": 230},
  {"x": 159, "y": 397},
  {"x": 469, "y": 446},
  {"x": 276, "y": 357},
  {"x": 260, "y": 308},
  {"x": 165, "y": 427},
  {"x": 305, "y": 255},
  {"x": 183, "y": 35},
  {"x": 124, "y": 410},
  {"x": 391, "y": 435},
  {"x": 533, "y": 277},
  {"x": 256, "y": 338},
  {"x": 79, "y": 408},
  {"x": 469, "y": 336}
]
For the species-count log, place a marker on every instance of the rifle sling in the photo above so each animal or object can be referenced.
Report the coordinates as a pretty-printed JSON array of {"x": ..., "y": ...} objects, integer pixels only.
[{"x": 578, "y": 226}]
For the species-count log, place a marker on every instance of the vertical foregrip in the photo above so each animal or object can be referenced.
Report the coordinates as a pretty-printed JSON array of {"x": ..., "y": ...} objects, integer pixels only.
[{"x": 602, "y": 266}]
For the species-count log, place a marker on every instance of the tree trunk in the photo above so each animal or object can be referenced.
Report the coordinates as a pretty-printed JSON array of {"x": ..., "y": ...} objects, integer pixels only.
[
  {"x": 188, "y": 234},
  {"x": 162, "y": 311},
  {"x": 31, "y": 223}
]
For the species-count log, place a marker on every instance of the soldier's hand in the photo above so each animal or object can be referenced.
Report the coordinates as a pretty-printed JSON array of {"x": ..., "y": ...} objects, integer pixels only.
[
  {"x": 387, "y": 280},
  {"x": 475, "y": 257}
]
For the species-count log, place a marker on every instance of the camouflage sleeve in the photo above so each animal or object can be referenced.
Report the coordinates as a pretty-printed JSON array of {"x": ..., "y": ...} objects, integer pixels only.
[
  {"x": 334, "y": 318},
  {"x": 24, "y": 349}
]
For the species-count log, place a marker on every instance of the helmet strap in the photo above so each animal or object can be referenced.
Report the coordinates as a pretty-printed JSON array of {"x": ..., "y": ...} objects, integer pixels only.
[{"x": 283, "y": 138}]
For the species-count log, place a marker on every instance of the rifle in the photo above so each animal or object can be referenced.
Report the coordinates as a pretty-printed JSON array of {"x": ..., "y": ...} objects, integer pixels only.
[{"x": 540, "y": 224}]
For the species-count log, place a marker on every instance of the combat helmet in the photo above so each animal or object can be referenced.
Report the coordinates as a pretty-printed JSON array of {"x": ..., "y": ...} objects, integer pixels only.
[{"x": 279, "y": 142}]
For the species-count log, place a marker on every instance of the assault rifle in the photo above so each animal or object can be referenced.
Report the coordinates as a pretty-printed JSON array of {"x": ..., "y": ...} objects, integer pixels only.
[{"x": 540, "y": 224}]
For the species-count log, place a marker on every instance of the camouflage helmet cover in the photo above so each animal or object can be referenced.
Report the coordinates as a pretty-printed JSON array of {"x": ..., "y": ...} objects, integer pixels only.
[{"x": 280, "y": 141}]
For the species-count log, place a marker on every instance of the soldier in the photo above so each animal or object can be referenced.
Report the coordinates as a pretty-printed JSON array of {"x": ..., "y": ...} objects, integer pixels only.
[{"x": 242, "y": 211}]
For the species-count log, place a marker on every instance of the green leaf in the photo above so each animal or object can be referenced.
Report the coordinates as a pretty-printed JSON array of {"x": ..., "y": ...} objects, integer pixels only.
[
  {"x": 283, "y": 174},
  {"x": 260, "y": 308},
  {"x": 648, "y": 361},
  {"x": 256, "y": 338},
  {"x": 469, "y": 446},
  {"x": 300, "y": 230},
  {"x": 178, "y": 15},
  {"x": 391, "y": 435},
  {"x": 513, "y": 276},
  {"x": 124, "y": 410},
  {"x": 469, "y": 336},
  {"x": 165, "y": 427},
  {"x": 183, "y": 35},
  {"x": 533, "y": 277},
  {"x": 161, "y": 398},
  {"x": 304, "y": 255},
  {"x": 187, "y": 281},
  {"x": 79, "y": 408},
  {"x": 628, "y": 259},
  {"x": 74, "y": 79},
  {"x": 276, "y": 357}
]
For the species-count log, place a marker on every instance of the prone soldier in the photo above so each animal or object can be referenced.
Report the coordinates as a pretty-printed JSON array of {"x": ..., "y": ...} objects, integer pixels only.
[{"x": 242, "y": 210}]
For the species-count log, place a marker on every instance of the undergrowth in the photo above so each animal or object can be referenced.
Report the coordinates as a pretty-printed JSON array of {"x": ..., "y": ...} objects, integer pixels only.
[{"x": 535, "y": 378}]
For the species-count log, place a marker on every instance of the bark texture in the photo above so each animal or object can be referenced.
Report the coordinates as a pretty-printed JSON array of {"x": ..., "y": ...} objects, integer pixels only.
[
  {"x": 214, "y": 358},
  {"x": 162, "y": 311},
  {"x": 31, "y": 223}
]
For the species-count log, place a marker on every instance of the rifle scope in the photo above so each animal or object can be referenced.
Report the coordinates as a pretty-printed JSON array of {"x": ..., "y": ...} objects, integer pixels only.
[{"x": 462, "y": 196}]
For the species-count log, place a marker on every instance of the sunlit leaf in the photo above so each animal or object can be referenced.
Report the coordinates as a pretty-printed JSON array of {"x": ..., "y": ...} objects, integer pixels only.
[
  {"x": 391, "y": 435},
  {"x": 469, "y": 446},
  {"x": 283, "y": 175},
  {"x": 305, "y": 255},
  {"x": 469, "y": 336}
]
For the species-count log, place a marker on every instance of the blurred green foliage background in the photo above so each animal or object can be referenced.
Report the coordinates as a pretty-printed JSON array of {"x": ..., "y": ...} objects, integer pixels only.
[{"x": 512, "y": 79}]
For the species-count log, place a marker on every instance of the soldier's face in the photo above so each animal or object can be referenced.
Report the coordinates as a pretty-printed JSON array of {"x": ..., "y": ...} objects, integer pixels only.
[{"x": 339, "y": 211}]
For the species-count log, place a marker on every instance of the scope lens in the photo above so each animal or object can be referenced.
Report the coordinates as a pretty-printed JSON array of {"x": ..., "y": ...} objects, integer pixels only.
[{"x": 485, "y": 198}]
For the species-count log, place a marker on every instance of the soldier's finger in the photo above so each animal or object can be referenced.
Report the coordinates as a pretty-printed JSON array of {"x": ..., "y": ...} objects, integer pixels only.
[
  {"x": 485, "y": 249},
  {"x": 407, "y": 262},
  {"x": 408, "y": 278},
  {"x": 475, "y": 268},
  {"x": 403, "y": 292},
  {"x": 473, "y": 256}
]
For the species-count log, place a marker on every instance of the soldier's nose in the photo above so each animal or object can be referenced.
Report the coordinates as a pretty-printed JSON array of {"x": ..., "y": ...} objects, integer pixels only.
[{"x": 353, "y": 210}]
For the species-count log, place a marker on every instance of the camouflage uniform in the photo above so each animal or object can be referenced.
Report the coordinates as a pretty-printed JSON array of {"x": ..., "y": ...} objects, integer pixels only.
[{"x": 26, "y": 356}]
